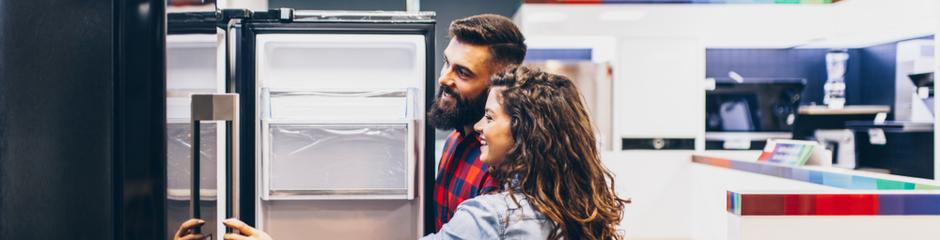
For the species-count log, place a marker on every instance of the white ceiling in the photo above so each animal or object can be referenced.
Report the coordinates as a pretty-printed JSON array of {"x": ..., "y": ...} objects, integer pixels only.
[{"x": 848, "y": 24}]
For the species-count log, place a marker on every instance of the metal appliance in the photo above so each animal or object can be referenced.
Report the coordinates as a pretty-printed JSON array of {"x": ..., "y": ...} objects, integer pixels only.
[{"x": 743, "y": 115}]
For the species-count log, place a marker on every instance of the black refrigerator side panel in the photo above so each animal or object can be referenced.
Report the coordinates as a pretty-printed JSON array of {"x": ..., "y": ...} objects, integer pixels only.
[
  {"x": 429, "y": 135},
  {"x": 55, "y": 119},
  {"x": 139, "y": 125},
  {"x": 245, "y": 87},
  {"x": 81, "y": 119}
]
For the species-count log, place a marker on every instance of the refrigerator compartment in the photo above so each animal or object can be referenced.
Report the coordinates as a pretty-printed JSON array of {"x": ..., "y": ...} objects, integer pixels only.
[
  {"x": 179, "y": 158},
  {"x": 340, "y": 105},
  {"x": 193, "y": 62},
  {"x": 314, "y": 161},
  {"x": 341, "y": 219},
  {"x": 339, "y": 61}
]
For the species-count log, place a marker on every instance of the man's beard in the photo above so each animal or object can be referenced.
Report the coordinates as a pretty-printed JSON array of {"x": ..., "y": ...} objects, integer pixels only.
[{"x": 464, "y": 112}]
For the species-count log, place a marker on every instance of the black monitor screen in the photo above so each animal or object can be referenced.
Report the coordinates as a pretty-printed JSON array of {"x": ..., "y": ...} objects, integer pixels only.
[{"x": 753, "y": 105}]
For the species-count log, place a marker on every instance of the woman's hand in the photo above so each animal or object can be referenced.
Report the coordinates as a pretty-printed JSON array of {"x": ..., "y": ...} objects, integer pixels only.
[
  {"x": 185, "y": 230},
  {"x": 245, "y": 232}
]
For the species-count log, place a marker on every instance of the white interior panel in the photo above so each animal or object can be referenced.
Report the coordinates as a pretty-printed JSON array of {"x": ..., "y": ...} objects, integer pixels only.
[
  {"x": 395, "y": 104},
  {"x": 326, "y": 159},
  {"x": 341, "y": 219},
  {"x": 340, "y": 61},
  {"x": 192, "y": 61}
]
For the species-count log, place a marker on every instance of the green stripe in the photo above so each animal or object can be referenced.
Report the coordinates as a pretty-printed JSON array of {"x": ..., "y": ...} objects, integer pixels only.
[
  {"x": 926, "y": 187},
  {"x": 893, "y": 185}
]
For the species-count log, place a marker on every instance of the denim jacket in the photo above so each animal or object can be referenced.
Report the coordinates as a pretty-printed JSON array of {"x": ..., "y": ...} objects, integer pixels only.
[{"x": 495, "y": 216}]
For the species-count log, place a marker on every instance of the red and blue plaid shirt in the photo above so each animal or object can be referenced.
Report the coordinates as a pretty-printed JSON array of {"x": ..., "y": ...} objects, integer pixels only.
[{"x": 460, "y": 176}]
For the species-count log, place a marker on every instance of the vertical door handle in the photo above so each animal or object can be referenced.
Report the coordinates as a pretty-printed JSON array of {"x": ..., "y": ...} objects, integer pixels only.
[{"x": 216, "y": 107}]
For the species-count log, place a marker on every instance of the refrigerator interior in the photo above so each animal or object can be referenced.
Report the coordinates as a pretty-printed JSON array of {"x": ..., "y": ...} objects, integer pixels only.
[
  {"x": 193, "y": 66},
  {"x": 341, "y": 132}
]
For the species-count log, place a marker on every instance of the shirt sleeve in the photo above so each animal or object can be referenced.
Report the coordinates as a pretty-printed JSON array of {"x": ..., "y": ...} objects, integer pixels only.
[{"x": 474, "y": 219}]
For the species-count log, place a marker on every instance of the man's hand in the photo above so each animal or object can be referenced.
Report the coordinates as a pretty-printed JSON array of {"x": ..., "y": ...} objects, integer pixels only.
[
  {"x": 185, "y": 230},
  {"x": 245, "y": 232}
]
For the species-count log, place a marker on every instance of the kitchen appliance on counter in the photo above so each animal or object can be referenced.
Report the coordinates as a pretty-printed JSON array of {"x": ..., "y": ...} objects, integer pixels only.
[
  {"x": 743, "y": 115},
  {"x": 913, "y": 68},
  {"x": 331, "y": 141},
  {"x": 828, "y": 126},
  {"x": 902, "y": 148},
  {"x": 809, "y": 119}
]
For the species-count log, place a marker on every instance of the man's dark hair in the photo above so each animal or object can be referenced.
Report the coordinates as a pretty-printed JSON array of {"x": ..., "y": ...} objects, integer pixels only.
[{"x": 506, "y": 43}]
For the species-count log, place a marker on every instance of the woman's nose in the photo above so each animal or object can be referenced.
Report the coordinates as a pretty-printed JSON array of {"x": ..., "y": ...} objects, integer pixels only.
[{"x": 478, "y": 127}]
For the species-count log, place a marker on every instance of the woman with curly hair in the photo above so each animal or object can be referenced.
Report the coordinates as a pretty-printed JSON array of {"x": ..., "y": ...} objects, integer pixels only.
[{"x": 540, "y": 146}]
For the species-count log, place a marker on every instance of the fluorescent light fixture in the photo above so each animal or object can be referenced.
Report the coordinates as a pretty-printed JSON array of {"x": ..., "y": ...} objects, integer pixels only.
[
  {"x": 860, "y": 40},
  {"x": 622, "y": 16}
]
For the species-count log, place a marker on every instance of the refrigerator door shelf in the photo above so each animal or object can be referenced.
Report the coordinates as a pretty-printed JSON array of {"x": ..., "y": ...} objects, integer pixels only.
[
  {"x": 339, "y": 105},
  {"x": 179, "y": 155},
  {"x": 340, "y": 61},
  {"x": 193, "y": 62},
  {"x": 319, "y": 161}
]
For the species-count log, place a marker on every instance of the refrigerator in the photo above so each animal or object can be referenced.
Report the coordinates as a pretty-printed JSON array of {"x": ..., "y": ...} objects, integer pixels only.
[
  {"x": 329, "y": 140},
  {"x": 195, "y": 64}
]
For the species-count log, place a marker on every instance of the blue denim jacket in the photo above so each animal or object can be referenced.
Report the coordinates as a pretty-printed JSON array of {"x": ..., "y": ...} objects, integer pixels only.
[{"x": 495, "y": 216}]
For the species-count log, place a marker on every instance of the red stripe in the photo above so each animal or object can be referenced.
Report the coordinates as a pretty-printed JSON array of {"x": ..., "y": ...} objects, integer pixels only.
[
  {"x": 797, "y": 204},
  {"x": 764, "y": 204},
  {"x": 846, "y": 204},
  {"x": 806, "y": 204}
]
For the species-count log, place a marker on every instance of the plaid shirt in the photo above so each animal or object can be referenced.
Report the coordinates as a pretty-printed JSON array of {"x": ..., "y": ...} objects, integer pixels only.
[{"x": 461, "y": 176}]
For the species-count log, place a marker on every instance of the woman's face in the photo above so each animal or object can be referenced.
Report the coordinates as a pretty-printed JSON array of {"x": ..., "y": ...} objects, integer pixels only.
[{"x": 494, "y": 131}]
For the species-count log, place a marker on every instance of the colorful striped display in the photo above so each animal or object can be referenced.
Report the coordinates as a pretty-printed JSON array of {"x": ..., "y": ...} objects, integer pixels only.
[
  {"x": 684, "y": 1},
  {"x": 832, "y": 179},
  {"x": 745, "y": 204}
]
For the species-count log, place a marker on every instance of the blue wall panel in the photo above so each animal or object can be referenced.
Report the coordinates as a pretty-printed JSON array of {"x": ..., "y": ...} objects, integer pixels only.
[{"x": 809, "y": 64}]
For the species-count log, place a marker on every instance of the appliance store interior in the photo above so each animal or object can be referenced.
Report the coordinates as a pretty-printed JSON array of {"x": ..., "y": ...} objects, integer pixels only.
[{"x": 716, "y": 119}]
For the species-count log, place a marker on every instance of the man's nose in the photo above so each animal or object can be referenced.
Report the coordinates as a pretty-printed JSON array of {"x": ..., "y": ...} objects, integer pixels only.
[{"x": 445, "y": 79}]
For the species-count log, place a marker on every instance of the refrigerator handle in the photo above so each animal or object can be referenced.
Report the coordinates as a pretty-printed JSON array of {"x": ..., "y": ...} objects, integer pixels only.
[{"x": 216, "y": 107}]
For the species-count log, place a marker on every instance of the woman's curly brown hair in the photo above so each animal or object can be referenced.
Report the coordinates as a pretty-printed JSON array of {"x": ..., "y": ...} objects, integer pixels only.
[{"x": 554, "y": 161}]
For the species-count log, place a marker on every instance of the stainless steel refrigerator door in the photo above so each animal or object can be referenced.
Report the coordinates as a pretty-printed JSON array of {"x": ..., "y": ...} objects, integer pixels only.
[
  {"x": 339, "y": 142},
  {"x": 194, "y": 65}
]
